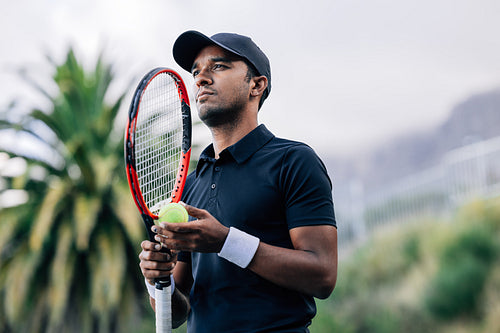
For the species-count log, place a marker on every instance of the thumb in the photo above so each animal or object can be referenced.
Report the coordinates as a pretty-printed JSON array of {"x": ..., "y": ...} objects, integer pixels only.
[{"x": 195, "y": 212}]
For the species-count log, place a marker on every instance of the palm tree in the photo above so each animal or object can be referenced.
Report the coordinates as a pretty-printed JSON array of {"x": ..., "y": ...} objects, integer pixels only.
[{"x": 68, "y": 255}]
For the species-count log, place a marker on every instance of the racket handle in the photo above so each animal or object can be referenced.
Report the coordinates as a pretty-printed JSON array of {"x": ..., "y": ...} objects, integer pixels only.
[{"x": 163, "y": 308}]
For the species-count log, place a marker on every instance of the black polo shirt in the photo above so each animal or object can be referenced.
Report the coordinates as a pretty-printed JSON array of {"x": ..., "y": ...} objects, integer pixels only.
[{"x": 264, "y": 186}]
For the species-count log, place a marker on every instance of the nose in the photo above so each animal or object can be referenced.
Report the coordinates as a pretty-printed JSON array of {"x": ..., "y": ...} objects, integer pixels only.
[{"x": 203, "y": 78}]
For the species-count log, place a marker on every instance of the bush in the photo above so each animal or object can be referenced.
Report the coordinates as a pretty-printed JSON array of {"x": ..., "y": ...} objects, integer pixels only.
[
  {"x": 456, "y": 289},
  {"x": 431, "y": 276},
  {"x": 477, "y": 241},
  {"x": 464, "y": 266}
]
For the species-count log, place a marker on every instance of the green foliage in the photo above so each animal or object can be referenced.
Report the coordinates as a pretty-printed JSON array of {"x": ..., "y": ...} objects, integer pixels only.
[
  {"x": 464, "y": 267},
  {"x": 411, "y": 249},
  {"x": 381, "y": 261},
  {"x": 476, "y": 241},
  {"x": 68, "y": 256},
  {"x": 430, "y": 276},
  {"x": 456, "y": 289},
  {"x": 327, "y": 321}
]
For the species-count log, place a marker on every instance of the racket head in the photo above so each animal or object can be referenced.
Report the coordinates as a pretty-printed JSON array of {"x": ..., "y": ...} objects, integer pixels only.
[{"x": 158, "y": 142}]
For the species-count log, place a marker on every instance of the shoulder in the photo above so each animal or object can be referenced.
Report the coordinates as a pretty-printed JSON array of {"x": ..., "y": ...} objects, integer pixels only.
[
  {"x": 278, "y": 142},
  {"x": 296, "y": 154},
  {"x": 298, "y": 166},
  {"x": 289, "y": 148}
]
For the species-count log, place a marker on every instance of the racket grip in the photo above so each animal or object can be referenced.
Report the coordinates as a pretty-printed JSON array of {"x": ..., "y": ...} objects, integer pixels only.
[{"x": 163, "y": 308}]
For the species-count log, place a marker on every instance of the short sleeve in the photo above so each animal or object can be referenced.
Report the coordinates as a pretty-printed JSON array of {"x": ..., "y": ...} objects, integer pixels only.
[{"x": 307, "y": 188}]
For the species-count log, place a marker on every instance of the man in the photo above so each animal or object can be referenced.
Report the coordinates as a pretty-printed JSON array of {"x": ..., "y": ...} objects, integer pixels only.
[{"x": 262, "y": 242}]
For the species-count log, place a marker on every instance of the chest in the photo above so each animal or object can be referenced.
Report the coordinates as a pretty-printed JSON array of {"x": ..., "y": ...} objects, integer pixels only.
[{"x": 244, "y": 196}]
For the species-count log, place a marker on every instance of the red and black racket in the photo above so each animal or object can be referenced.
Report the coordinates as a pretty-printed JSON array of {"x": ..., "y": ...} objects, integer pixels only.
[{"x": 157, "y": 154}]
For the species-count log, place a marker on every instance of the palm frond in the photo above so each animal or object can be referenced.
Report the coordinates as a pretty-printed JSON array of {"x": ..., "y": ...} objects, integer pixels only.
[
  {"x": 108, "y": 268},
  {"x": 61, "y": 275},
  {"x": 58, "y": 125},
  {"x": 124, "y": 209},
  {"x": 18, "y": 282},
  {"x": 9, "y": 226},
  {"x": 47, "y": 215},
  {"x": 86, "y": 211}
]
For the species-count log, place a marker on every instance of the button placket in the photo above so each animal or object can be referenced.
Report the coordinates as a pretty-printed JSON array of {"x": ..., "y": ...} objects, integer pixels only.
[{"x": 215, "y": 178}]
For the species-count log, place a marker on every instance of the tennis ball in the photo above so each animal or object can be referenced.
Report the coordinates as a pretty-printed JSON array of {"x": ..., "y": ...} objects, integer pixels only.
[{"x": 173, "y": 212}]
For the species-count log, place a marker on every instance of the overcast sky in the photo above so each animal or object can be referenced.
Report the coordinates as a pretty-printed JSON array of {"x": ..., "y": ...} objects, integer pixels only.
[{"x": 347, "y": 75}]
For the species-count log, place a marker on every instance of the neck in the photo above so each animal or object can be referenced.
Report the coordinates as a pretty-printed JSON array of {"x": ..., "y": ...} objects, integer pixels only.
[{"x": 227, "y": 135}]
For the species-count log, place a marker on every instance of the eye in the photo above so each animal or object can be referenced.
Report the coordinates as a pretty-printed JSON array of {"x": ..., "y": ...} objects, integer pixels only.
[
  {"x": 195, "y": 72},
  {"x": 219, "y": 66}
]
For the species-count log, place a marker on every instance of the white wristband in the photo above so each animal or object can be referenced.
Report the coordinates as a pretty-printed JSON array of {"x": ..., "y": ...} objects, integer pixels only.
[
  {"x": 151, "y": 288},
  {"x": 239, "y": 247}
]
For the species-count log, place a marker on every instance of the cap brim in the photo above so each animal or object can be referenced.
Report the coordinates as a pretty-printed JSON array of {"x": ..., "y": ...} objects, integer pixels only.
[{"x": 189, "y": 44}]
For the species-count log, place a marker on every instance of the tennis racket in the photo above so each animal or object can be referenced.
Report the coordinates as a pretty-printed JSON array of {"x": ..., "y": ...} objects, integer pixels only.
[{"x": 157, "y": 153}]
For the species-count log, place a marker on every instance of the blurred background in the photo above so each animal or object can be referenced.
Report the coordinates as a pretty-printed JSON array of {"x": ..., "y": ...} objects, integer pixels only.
[{"x": 401, "y": 100}]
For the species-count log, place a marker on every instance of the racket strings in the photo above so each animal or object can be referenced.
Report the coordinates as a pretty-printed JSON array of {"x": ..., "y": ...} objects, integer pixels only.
[{"x": 158, "y": 140}]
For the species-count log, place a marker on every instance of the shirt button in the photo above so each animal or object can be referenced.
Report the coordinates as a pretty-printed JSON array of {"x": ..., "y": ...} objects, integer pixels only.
[{"x": 213, "y": 186}]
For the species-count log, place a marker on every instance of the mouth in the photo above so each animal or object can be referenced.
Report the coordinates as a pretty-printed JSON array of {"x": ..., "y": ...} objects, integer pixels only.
[{"x": 203, "y": 94}]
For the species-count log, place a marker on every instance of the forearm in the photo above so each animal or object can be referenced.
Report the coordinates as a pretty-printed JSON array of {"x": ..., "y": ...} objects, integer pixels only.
[
  {"x": 310, "y": 268},
  {"x": 298, "y": 270},
  {"x": 180, "y": 308}
]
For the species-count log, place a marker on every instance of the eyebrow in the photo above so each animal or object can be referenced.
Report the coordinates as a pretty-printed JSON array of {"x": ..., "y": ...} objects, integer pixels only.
[{"x": 216, "y": 59}]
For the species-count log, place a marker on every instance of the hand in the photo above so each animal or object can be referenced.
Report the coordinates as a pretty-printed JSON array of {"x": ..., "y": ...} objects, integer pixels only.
[
  {"x": 155, "y": 264},
  {"x": 205, "y": 234}
]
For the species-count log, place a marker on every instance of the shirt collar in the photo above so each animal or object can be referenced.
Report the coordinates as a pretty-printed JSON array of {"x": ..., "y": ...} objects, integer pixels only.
[{"x": 241, "y": 150}]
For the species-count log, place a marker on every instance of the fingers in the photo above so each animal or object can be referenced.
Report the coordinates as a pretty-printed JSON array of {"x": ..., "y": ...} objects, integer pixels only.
[
  {"x": 158, "y": 256},
  {"x": 166, "y": 229},
  {"x": 195, "y": 212},
  {"x": 150, "y": 246},
  {"x": 162, "y": 268},
  {"x": 155, "y": 264},
  {"x": 205, "y": 234},
  {"x": 154, "y": 270}
]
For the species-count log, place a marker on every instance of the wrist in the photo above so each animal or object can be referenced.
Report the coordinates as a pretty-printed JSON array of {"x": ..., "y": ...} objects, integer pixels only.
[{"x": 239, "y": 247}]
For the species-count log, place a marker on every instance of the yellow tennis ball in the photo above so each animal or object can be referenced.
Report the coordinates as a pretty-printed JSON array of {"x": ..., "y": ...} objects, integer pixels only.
[{"x": 173, "y": 212}]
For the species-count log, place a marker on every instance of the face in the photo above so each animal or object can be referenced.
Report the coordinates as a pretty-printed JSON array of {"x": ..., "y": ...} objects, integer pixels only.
[{"x": 222, "y": 88}]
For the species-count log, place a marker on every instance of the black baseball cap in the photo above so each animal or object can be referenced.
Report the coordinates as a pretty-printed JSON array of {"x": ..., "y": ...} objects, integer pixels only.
[{"x": 189, "y": 44}]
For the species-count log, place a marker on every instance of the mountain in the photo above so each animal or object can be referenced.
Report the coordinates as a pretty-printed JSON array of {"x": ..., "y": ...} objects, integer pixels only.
[{"x": 476, "y": 118}]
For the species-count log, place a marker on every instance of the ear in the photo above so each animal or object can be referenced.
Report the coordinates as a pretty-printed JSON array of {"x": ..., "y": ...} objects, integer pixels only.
[{"x": 259, "y": 85}]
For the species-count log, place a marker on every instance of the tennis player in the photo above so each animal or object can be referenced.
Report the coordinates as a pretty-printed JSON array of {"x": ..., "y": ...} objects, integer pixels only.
[{"x": 262, "y": 240}]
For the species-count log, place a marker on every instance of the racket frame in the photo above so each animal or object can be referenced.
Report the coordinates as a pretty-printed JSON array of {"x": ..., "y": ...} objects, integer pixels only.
[
  {"x": 162, "y": 287},
  {"x": 130, "y": 159}
]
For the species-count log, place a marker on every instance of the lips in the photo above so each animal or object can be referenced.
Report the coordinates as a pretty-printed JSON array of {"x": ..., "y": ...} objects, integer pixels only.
[{"x": 202, "y": 93}]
